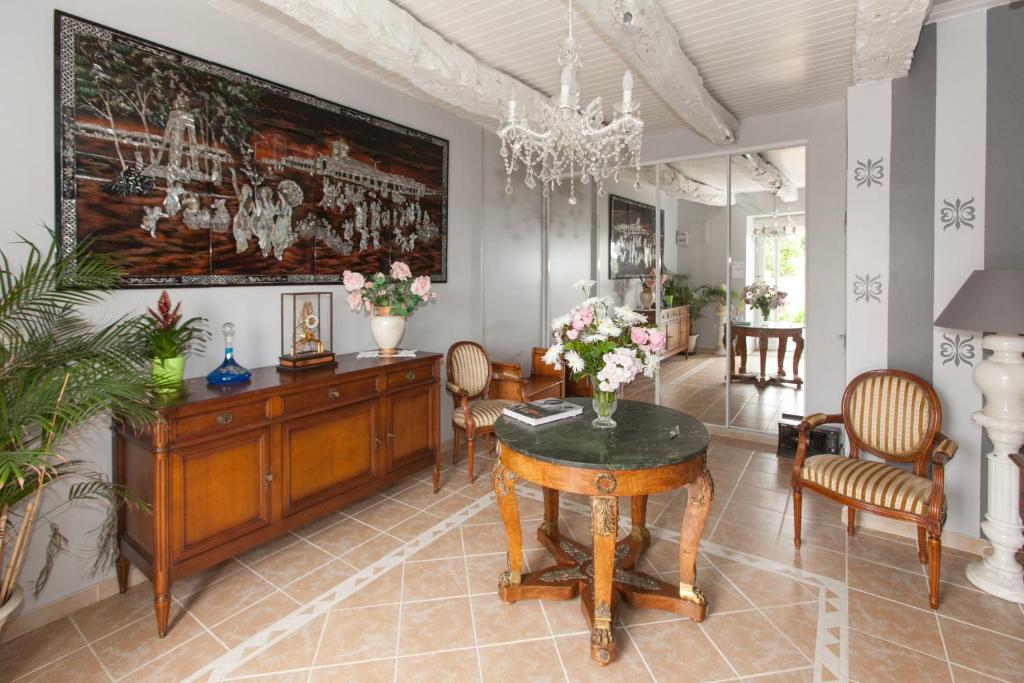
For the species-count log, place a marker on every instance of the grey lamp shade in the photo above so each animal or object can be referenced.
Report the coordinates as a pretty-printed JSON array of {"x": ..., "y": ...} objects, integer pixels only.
[{"x": 990, "y": 301}]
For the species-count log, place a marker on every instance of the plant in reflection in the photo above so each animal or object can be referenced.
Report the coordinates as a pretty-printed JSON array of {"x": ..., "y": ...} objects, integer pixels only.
[{"x": 611, "y": 345}]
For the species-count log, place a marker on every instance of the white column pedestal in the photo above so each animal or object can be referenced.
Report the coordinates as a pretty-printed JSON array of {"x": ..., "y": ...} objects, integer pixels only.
[{"x": 1001, "y": 378}]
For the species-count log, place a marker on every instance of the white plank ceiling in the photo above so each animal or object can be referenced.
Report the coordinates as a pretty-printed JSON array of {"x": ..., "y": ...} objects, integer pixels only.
[{"x": 757, "y": 57}]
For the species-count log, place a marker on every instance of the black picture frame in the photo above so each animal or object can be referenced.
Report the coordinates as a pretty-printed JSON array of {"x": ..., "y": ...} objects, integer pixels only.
[
  {"x": 345, "y": 189},
  {"x": 623, "y": 211}
]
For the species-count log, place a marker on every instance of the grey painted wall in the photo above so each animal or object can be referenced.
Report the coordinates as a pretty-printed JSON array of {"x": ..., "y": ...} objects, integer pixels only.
[{"x": 912, "y": 202}]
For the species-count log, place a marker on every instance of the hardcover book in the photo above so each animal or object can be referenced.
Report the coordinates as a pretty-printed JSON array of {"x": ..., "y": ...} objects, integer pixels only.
[{"x": 543, "y": 411}]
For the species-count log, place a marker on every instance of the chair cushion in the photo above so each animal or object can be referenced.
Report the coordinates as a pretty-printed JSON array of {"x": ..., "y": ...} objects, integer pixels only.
[
  {"x": 485, "y": 413},
  {"x": 889, "y": 414},
  {"x": 871, "y": 482}
]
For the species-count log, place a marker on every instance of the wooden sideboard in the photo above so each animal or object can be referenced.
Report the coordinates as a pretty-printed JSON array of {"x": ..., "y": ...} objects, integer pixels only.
[
  {"x": 229, "y": 468},
  {"x": 675, "y": 325}
]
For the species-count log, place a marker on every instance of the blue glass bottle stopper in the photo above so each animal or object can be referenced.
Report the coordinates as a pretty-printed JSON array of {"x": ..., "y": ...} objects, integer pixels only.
[{"x": 229, "y": 371}]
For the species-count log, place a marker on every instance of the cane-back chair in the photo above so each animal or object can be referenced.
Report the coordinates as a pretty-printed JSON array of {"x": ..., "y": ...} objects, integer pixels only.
[
  {"x": 897, "y": 417},
  {"x": 472, "y": 381}
]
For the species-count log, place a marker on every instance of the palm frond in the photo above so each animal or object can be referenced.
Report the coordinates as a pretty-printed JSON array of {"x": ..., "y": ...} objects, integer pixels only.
[{"x": 58, "y": 543}]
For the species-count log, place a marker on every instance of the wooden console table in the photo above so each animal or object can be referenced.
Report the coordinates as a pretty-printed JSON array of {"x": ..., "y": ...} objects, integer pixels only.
[
  {"x": 638, "y": 458},
  {"x": 231, "y": 467},
  {"x": 764, "y": 331}
]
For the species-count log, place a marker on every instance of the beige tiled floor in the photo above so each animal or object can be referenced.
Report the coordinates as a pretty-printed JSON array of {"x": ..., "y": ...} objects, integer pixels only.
[
  {"x": 435, "y": 616},
  {"x": 696, "y": 385}
]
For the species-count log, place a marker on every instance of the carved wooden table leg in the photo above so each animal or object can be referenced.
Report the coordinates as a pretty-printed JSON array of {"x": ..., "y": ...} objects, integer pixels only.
[
  {"x": 504, "y": 482},
  {"x": 741, "y": 341},
  {"x": 798, "y": 351},
  {"x": 122, "y": 573},
  {"x": 551, "y": 512},
  {"x": 639, "y": 538},
  {"x": 783, "y": 340},
  {"x": 762, "y": 352},
  {"x": 700, "y": 493},
  {"x": 605, "y": 523}
]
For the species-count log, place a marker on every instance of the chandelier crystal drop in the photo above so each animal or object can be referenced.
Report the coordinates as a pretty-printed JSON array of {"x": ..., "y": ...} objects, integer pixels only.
[
  {"x": 566, "y": 141},
  {"x": 776, "y": 227}
]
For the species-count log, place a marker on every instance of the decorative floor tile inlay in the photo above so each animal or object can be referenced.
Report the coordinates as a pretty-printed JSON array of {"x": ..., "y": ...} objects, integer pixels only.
[{"x": 830, "y": 652}]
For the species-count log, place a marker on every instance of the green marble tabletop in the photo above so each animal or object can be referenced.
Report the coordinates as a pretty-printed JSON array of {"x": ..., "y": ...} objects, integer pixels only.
[{"x": 642, "y": 440}]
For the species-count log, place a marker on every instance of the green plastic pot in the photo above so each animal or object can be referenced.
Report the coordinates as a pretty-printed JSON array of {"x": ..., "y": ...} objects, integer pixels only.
[{"x": 168, "y": 374}]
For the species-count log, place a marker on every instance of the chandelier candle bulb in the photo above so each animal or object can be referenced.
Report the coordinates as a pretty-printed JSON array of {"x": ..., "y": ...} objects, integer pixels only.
[{"x": 627, "y": 91}]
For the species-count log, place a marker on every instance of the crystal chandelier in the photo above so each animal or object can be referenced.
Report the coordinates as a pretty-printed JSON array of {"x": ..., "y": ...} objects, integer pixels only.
[
  {"x": 567, "y": 141},
  {"x": 775, "y": 228}
]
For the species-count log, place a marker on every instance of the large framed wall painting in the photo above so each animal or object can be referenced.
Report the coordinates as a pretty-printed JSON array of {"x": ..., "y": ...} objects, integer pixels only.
[
  {"x": 194, "y": 174},
  {"x": 631, "y": 250}
]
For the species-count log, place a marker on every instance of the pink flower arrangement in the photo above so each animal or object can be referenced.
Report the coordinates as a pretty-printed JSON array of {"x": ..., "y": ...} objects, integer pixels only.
[
  {"x": 611, "y": 345},
  {"x": 398, "y": 291}
]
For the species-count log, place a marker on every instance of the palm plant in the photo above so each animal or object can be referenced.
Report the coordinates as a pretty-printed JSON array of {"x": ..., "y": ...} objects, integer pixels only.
[{"x": 58, "y": 372}]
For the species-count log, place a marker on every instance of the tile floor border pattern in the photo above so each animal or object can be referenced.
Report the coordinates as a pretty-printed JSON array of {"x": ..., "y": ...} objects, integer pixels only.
[
  {"x": 221, "y": 667},
  {"x": 833, "y": 597}
]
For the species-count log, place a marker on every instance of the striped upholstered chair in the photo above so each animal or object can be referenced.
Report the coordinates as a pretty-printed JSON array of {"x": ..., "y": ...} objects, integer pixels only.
[
  {"x": 472, "y": 380},
  {"x": 895, "y": 416}
]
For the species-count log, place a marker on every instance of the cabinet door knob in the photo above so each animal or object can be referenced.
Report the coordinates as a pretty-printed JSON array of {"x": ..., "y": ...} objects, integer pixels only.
[
  {"x": 411, "y": 375},
  {"x": 333, "y": 393},
  {"x": 268, "y": 477},
  {"x": 225, "y": 418}
]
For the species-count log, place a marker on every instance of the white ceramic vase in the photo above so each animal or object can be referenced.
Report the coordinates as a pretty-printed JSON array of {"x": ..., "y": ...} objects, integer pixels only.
[
  {"x": 387, "y": 330},
  {"x": 7, "y": 609}
]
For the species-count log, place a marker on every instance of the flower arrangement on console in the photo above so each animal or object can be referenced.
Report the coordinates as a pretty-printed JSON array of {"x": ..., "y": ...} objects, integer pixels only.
[
  {"x": 764, "y": 297},
  {"x": 609, "y": 344},
  {"x": 390, "y": 299}
]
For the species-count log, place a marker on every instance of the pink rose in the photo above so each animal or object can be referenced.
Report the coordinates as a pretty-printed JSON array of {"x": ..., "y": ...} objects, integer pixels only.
[
  {"x": 421, "y": 286},
  {"x": 355, "y": 300},
  {"x": 368, "y": 306},
  {"x": 400, "y": 271},
  {"x": 657, "y": 340},
  {"x": 572, "y": 334},
  {"x": 638, "y": 335},
  {"x": 352, "y": 281}
]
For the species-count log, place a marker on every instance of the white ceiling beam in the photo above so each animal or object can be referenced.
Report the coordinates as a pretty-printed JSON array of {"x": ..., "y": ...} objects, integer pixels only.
[
  {"x": 650, "y": 45},
  {"x": 387, "y": 35},
  {"x": 680, "y": 186},
  {"x": 765, "y": 174},
  {"x": 886, "y": 36}
]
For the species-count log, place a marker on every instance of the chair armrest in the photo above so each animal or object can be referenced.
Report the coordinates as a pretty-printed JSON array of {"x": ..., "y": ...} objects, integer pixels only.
[
  {"x": 944, "y": 451},
  {"x": 816, "y": 420},
  {"x": 506, "y": 386},
  {"x": 455, "y": 389}
]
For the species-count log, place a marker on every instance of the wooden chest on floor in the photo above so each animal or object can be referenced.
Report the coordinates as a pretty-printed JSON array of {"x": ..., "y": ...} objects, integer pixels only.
[{"x": 231, "y": 467}]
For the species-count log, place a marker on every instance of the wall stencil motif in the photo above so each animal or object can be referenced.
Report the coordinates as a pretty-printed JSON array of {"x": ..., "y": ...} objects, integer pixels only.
[
  {"x": 869, "y": 172},
  {"x": 867, "y": 287},
  {"x": 958, "y": 214},
  {"x": 956, "y": 350}
]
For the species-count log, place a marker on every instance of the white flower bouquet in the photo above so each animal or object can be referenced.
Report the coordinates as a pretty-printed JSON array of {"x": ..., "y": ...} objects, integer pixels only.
[{"x": 610, "y": 344}]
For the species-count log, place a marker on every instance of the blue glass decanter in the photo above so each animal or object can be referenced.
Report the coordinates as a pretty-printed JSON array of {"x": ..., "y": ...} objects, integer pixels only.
[{"x": 229, "y": 371}]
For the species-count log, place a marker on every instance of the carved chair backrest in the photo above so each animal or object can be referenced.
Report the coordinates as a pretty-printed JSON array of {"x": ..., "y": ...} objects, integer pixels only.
[
  {"x": 892, "y": 414},
  {"x": 469, "y": 366}
]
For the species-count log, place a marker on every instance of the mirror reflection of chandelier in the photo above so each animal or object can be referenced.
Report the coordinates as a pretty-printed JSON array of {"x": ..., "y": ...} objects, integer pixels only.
[
  {"x": 775, "y": 227},
  {"x": 569, "y": 141}
]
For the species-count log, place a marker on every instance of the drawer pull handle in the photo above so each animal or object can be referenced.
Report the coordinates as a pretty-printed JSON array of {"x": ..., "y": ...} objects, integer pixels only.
[
  {"x": 225, "y": 418},
  {"x": 411, "y": 375},
  {"x": 333, "y": 393},
  {"x": 269, "y": 477}
]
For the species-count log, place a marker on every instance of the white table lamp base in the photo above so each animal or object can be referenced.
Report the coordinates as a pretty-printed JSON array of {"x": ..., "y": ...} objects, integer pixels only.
[{"x": 1001, "y": 378}]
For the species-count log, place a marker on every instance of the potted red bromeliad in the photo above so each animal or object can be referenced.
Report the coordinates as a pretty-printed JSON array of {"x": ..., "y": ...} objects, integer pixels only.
[{"x": 171, "y": 340}]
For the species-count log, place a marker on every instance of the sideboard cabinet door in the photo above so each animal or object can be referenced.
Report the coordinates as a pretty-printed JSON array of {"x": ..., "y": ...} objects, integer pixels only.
[
  {"x": 220, "y": 491},
  {"x": 328, "y": 453},
  {"x": 410, "y": 424}
]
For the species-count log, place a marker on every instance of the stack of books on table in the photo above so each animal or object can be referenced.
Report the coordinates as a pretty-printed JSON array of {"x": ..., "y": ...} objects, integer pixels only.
[{"x": 543, "y": 411}]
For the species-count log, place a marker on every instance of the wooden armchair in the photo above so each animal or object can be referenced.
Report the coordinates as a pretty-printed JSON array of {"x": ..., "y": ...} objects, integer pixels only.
[
  {"x": 481, "y": 390},
  {"x": 895, "y": 416}
]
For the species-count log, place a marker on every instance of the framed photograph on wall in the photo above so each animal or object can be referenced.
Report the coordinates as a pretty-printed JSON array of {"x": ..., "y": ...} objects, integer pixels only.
[
  {"x": 195, "y": 174},
  {"x": 631, "y": 250}
]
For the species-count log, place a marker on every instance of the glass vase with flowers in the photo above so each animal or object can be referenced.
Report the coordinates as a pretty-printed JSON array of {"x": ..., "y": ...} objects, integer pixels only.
[
  {"x": 611, "y": 345},
  {"x": 764, "y": 297}
]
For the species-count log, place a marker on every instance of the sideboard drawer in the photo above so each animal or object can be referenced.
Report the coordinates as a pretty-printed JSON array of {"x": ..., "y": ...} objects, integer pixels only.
[
  {"x": 243, "y": 415},
  {"x": 420, "y": 373},
  {"x": 330, "y": 396}
]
